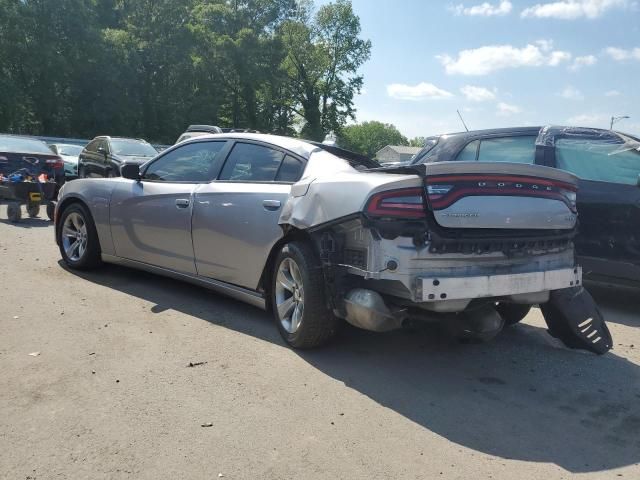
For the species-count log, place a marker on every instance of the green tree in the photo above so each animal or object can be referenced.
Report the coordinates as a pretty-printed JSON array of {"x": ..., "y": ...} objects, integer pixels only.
[
  {"x": 417, "y": 142},
  {"x": 369, "y": 137},
  {"x": 324, "y": 53}
]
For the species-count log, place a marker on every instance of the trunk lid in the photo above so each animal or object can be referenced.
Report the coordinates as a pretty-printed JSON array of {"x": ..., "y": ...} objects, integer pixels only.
[{"x": 478, "y": 195}]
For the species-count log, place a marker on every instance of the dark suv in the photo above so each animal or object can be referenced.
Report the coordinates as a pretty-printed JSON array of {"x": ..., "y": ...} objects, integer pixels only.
[
  {"x": 103, "y": 156},
  {"x": 608, "y": 165}
]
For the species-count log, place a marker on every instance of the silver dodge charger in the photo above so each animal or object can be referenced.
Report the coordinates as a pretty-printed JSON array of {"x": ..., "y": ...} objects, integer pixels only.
[{"x": 319, "y": 235}]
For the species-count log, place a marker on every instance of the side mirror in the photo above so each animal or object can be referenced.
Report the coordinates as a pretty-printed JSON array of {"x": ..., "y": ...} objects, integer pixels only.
[{"x": 130, "y": 171}]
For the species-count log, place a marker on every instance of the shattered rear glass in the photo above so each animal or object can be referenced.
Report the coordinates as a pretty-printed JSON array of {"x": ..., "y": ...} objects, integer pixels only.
[{"x": 594, "y": 154}]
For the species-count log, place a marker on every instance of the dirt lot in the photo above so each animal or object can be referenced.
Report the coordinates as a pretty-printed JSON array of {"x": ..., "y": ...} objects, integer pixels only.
[{"x": 110, "y": 394}]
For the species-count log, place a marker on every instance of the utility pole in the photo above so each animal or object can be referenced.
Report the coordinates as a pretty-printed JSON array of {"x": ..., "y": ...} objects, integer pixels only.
[{"x": 616, "y": 120}]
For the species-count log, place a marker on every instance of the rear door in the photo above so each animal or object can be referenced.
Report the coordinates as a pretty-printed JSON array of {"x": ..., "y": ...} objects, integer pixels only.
[
  {"x": 151, "y": 218},
  {"x": 235, "y": 219},
  {"x": 608, "y": 200}
]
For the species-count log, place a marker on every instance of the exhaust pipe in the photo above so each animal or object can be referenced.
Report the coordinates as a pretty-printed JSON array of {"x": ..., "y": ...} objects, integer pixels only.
[{"x": 366, "y": 309}]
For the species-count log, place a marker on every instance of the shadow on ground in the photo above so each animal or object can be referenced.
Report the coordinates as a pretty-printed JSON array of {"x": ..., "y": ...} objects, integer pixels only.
[
  {"x": 27, "y": 222},
  {"x": 519, "y": 397}
]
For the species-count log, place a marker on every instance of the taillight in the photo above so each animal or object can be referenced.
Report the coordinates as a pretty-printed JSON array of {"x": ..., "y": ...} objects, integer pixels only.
[
  {"x": 54, "y": 163},
  {"x": 405, "y": 203}
]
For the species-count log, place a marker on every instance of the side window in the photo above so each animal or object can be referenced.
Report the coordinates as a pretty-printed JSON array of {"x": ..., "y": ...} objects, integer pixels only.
[
  {"x": 508, "y": 149},
  {"x": 251, "y": 163},
  {"x": 195, "y": 162},
  {"x": 290, "y": 170},
  {"x": 92, "y": 146},
  {"x": 468, "y": 153},
  {"x": 599, "y": 160},
  {"x": 101, "y": 144}
]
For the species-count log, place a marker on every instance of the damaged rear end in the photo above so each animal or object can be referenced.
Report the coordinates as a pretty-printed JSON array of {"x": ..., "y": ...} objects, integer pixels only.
[{"x": 443, "y": 242}]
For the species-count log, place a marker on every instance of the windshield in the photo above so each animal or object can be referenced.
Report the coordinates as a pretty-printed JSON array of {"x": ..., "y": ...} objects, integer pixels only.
[
  {"x": 133, "y": 148},
  {"x": 23, "y": 145},
  {"x": 70, "y": 150}
]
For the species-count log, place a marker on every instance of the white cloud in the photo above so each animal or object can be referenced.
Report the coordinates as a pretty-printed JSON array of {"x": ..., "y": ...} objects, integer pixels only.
[
  {"x": 485, "y": 9},
  {"x": 477, "y": 94},
  {"x": 621, "y": 54},
  {"x": 571, "y": 9},
  {"x": 421, "y": 91},
  {"x": 487, "y": 59},
  {"x": 587, "y": 120},
  {"x": 571, "y": 93},
  {"x": 612, "y": 93},
  {"x": 584, "y": 61},
  {"x": 506, "y": 109}
]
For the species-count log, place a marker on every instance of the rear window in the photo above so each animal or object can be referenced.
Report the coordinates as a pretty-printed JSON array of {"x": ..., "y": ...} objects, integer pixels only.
[
  {"x": 508, "y": 149},
  {"x": 23, "y": 145}
]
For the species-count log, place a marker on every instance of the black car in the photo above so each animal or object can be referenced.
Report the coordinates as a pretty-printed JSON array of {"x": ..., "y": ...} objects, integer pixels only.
[
  {"x": 608, "y": 165},
  {"x": 18, "y": 152},
  {"x": 103, "y": 156}
]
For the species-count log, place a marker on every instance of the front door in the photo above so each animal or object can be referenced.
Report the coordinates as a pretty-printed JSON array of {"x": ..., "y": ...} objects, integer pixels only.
[
  {"x": 151, "y": 218},
  {"x": 235, "y": 219},
  {"x": 608, "y": 242}
]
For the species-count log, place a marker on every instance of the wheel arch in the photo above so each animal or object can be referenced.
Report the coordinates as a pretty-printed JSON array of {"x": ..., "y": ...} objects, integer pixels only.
[
  {"x": 292, "y": 234},
  {"x": 62, "y": 206}
]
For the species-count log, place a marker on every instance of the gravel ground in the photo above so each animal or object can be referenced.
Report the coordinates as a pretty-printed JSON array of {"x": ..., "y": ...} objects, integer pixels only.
[{"x": 95, "y": 383}]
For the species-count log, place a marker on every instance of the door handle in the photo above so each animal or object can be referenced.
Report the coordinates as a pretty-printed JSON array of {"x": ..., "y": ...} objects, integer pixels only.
[
  {"x": 271, "y": 204},
  {"x": 182, "y": 203}
]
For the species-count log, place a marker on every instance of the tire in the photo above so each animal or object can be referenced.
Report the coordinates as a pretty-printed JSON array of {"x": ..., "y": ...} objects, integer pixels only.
[
  {"x": 51, "y": 210},
  {"x": 33, "y": 210},
  {"x": 512, "y": 313},
  {"x": 297, "y": 282},
  {"x": 79, "y": 252},
  {"x": 14, "y": 212}
]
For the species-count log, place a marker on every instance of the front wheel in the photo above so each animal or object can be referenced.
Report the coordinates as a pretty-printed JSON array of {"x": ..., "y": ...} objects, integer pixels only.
[
  {"x": 298, "y": 298},
  {"x": 78, "y": 238}
]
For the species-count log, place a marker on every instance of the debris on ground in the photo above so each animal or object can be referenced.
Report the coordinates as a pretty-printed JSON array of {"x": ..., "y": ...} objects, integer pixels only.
[
  {"x": 574, "y": 318},
  {"x": 34, "y": 354},
  {"x": 208, "y": 424},
  {"x": 195, "y": 364}
]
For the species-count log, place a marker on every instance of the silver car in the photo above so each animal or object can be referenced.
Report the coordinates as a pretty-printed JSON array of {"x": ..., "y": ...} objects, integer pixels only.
[{"x": 317, "y": 234}]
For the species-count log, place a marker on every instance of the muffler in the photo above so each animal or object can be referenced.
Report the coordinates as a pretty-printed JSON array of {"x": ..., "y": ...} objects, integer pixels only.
[{"x": 366, "y": 309}]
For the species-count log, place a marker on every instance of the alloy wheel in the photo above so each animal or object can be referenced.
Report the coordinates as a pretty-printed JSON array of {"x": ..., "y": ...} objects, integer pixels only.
[
  {"x": 74, "y": 236},
  {"x": 289, "y": 295}
]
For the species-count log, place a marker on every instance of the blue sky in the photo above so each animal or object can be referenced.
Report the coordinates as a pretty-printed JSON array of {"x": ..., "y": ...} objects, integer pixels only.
[{"x": 501, "y": 63}]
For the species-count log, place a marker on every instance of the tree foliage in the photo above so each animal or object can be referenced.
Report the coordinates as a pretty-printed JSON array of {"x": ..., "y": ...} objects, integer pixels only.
[
  {"x": 150, "y": 67},
  {"x": 369, "y": 137}
]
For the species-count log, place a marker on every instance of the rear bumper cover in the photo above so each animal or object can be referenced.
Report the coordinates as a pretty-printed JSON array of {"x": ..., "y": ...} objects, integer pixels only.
[{"x": 457, "y": 288}]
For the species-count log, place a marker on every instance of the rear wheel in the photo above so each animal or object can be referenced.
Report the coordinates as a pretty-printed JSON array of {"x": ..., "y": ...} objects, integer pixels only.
[
  {"x": 512, "y": 313},
  {"x": 51, "y": 209},
  {"x": 298, "y": 298},
  {"x": 78, "y": 238},
  {"x": 14, "y": 212}
]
